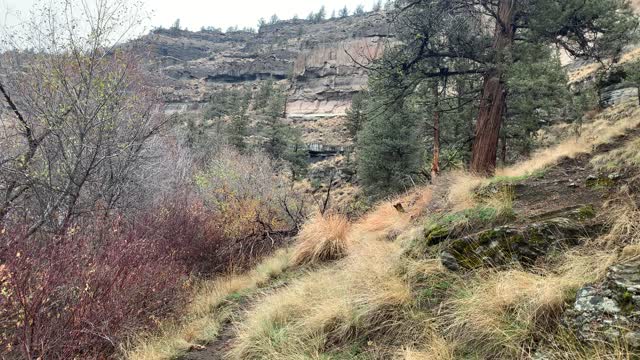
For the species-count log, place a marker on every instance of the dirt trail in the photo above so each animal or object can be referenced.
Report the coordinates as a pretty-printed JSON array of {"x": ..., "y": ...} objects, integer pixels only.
[
  {"x": 571, "y": 183},
  {"x": 563, "y": 186}
]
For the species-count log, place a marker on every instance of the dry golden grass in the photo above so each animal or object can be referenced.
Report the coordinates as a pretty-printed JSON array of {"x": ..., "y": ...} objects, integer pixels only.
[
  {"x": 630, "y": 253},
  {"x": 381, "y": 222},
  {"x": 566, "y": 346},
  {"x": 588, "y": 70},
  {"x": 500, "y": 313},
  {"x": 205, "y": 313},
  {"x": 627, "y": 155},
  {"x": 437, "y": 348},
  {"x": 360, "y": 296},
  {"x": 611, "y": 123},
  {"x": 322, "y": 238},
  {"x": 624, "y": 216}
]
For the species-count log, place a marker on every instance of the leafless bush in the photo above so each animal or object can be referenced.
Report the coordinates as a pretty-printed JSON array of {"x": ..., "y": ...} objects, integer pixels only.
[
  {"x": 82, "y": 114},
  {"x": 251, "y": 194}
]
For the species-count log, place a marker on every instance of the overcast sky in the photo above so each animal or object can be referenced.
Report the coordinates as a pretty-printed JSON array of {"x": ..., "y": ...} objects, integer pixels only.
[{"x": 195, "y": 14}]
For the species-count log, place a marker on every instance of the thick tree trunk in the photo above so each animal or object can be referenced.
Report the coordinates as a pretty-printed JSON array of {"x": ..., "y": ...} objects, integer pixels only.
[
  {"x": 435, "y": 164},
  {"x": 492, "y": 104}
]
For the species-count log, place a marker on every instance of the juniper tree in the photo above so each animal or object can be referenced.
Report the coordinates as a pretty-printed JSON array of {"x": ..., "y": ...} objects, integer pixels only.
[
  {"x": 434, "y": 35},
  {"x": 282, "y": 142},
  {"x": 388, "y": 153},
  {"x": 356, "y": 114}
]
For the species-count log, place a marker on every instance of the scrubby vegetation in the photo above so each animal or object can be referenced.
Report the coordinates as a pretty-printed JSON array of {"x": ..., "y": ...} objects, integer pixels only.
[{"x": 127, "y": 233}]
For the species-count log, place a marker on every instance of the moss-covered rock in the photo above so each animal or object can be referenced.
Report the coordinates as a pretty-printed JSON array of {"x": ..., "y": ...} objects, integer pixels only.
[
  {"x": 600, "y": 182},
  {"x": 506, "y": 244}
]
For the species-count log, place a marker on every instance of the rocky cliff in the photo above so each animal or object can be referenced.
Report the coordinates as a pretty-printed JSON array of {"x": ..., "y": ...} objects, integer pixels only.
[{"x": 316, "y": 61}]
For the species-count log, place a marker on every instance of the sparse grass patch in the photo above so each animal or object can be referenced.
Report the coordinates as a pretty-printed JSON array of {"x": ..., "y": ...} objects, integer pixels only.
[
  {"x": 212, "y": 304},
  {"x": 495, "y": 209},
  {"x": 323, "y": 238},
  {"x": 624, "y": 218},
  {"x": 564, "y": 345},
  {"x": 356, "y": 301},
  {"x": 502, "y": 313},
  {"x": 625, "y": 156},
  {"x": 613, "y": 122}
]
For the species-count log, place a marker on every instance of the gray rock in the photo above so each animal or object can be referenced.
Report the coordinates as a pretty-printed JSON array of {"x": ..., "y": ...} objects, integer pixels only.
[
  {"x": 609, "y": 311},
  {"x": 449, "y": 261}
]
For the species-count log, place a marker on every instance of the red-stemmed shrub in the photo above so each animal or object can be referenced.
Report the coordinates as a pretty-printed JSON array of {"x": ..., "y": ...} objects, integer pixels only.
[{"x": 81, "y": 294}]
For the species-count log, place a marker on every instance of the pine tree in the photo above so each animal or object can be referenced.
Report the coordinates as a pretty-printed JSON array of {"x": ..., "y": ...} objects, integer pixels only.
[
  {"x": 359, "y": 10},
  {"x": 343, "y": 13},
  {"x": 282, "y": 142},
  {"x": 436, "y": 35},
  {"x": 356, "y": 116},
  {"x": 321, "y": 14},
  {"x": 389, "y": 155}
]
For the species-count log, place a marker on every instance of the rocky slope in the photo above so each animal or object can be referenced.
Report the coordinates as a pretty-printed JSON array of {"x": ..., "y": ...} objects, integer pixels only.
[{"x": 315, "y": 61}]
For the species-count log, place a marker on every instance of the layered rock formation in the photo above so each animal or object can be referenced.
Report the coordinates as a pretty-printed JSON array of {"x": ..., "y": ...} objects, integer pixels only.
[{"x": 316, "y": 62}]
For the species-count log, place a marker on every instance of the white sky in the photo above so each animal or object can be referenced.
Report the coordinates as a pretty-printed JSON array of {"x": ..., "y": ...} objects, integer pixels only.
[{"x": 194, "y": 14}]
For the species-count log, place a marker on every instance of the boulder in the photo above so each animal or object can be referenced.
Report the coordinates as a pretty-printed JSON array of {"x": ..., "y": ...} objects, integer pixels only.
[{"x": 515, "y": 243}]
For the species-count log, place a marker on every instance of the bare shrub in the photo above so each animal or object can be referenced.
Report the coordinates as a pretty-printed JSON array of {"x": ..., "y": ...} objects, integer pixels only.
[
  {"x": 79, "y": 295},
  {"x": 250, "y": 195},
  {"x": 82, "y": 114}
]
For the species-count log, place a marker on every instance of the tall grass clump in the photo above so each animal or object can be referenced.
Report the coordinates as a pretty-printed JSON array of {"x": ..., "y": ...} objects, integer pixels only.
[
  {"x": 503, "y": 313},
  {"x": 211, "y": 304},
  {"x": 360, "y": 298},
  {"x": 322, "y": 238}
]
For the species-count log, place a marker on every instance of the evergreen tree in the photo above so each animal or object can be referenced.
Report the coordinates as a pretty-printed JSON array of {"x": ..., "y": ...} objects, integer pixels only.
[
  {"x": 297, "y": 155},
  {"x": 176, "y": 25},
  {"x": 343, "y": 13},
  {"x": 388, "y": 153},
  {"x": 321, "y": 14},
  {"x": 538, "y": 95},
  {"x": 436, "y": 37},
  {"x": 265, "y": 93},
  {"x": 356, "y": 116},
  {"x": 274, "y": 19},
  {"x": 282, "y": 142},
  {"x": 377, "y": 6},
  {"x": 359, "y": 10}
]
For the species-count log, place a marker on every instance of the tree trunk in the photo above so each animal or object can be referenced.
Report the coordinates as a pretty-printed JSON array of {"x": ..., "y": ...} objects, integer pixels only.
[
  {"x": 503, "y": 155},
  {"x": 492, "y": 103},
  {"x": 435, "y": 164}
]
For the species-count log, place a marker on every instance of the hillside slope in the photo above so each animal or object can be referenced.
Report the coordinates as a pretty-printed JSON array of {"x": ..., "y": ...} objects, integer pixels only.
[{"x": 540, "y": 262}]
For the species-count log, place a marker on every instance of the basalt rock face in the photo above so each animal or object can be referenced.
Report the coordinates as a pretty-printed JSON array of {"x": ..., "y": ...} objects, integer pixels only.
[
  {"x": 316, "y": 62},
  {"x": 609, "y": 311}
]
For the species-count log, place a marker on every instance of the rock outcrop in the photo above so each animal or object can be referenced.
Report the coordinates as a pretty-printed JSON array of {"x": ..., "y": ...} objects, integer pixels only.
[
  {"x": 522, "y": 244},
  {"x": 609, "y": 311},
  {"x": 317, "y": 61}
]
